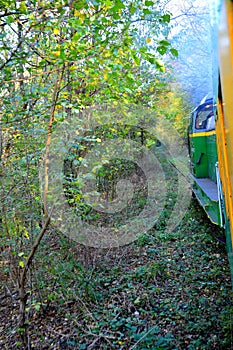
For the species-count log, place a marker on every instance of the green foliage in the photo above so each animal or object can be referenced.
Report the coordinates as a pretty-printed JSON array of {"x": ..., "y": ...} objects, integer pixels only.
[{"x": 90, "y": 51}]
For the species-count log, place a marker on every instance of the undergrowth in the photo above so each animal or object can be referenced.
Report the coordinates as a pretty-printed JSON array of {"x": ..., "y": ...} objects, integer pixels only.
[{"x": 164, "y": 291}]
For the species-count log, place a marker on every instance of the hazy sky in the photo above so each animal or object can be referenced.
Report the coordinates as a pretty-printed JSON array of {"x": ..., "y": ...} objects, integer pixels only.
[{"x": 193, "y": 36}]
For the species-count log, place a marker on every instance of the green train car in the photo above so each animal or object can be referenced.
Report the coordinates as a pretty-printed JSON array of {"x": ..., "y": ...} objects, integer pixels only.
[{"x": 211, "y": 138}]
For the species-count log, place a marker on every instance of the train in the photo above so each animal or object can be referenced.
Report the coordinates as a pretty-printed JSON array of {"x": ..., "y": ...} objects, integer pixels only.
[{"x": 211, "y": 138}]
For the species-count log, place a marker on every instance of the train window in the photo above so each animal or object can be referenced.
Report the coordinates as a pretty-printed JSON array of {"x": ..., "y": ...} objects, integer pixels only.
[
  {"x": 205, "y": 120},
  {"x": 210, "y": 125}
]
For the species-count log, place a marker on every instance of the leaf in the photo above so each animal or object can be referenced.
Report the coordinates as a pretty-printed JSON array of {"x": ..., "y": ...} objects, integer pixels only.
[
  {"x": 143, "y": 49},
  {"x": 37, "y": 307},
  {"x": 174, "y": 52},
  {"x": 23, "y": 7},
  {"x": 150, "y": 58},
  {"x": 166, "y": 18},
  {"x": 128, "y": 90},
  {"x": 56, "y": 53},
  {"x": 162, "y": 50},
  {"x": 147, "y": 12},
  {"x": 21, "y": 264},
  {"x": 164, "y": 43},
  {"x": 133, "y": 9},
  {"x": 149, "y": 3},
  {"x": 148, "y": 40},
  {"x": 116, "y": 16},
  {"x": 160, "y": 65},
  {"x": 79, "y": 4},
  {"x": 119, "y": 4},
  {"x": 137, "y": 60},
  {"x": 9, "y": 19},
  {"x": 55, "y": 31}
]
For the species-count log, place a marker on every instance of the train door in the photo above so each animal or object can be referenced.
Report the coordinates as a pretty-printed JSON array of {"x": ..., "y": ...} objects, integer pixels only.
[
  {"x": 203, "y": 141},
  {"x": 203, "y": 157}
]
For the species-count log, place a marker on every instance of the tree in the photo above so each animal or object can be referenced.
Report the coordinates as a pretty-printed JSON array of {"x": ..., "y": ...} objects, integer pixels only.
[{"x": 58, "y": 58}]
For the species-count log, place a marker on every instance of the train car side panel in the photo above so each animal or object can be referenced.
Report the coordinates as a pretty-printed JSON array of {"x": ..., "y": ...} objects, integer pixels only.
[{"x": 224, "y": 125}]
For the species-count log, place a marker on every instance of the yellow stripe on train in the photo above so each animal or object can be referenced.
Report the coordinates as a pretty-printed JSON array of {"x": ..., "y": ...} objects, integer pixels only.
[{"x": 205, "y": 133}]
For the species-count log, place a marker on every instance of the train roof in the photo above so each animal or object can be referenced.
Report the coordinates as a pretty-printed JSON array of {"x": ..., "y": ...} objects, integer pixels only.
[{"x": 205, "y": 101}]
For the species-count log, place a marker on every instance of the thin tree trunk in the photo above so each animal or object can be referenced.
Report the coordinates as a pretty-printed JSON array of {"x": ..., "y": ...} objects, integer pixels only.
[
  {"x": 49, "y": 137},
  {"x": 22, "y": 287}
]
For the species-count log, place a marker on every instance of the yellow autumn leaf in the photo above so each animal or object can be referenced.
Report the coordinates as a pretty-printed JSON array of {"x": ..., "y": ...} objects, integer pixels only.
[
  {"x": 106, "y": 54},
  {"x": 23, "y": 6},
  {"x": 98, "y": 140},
  {"x": 56, "y": 53},
  {"x": 64, "y": 95},
  {"x": 148, "y": 40},
  {"x": 105, "y": 76},
  {"x": 26, "y": 234},
  {"x": 80, "y": 15},
  {"x": 55, "y": 31},
  {"x": 73, "y": 67},
  {"x": 78, "y": 197},
  {"x": 21, "y": 264}
]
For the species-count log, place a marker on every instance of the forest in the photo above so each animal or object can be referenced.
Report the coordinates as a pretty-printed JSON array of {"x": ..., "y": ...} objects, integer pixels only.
[{"x": 103, "y": 245}]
